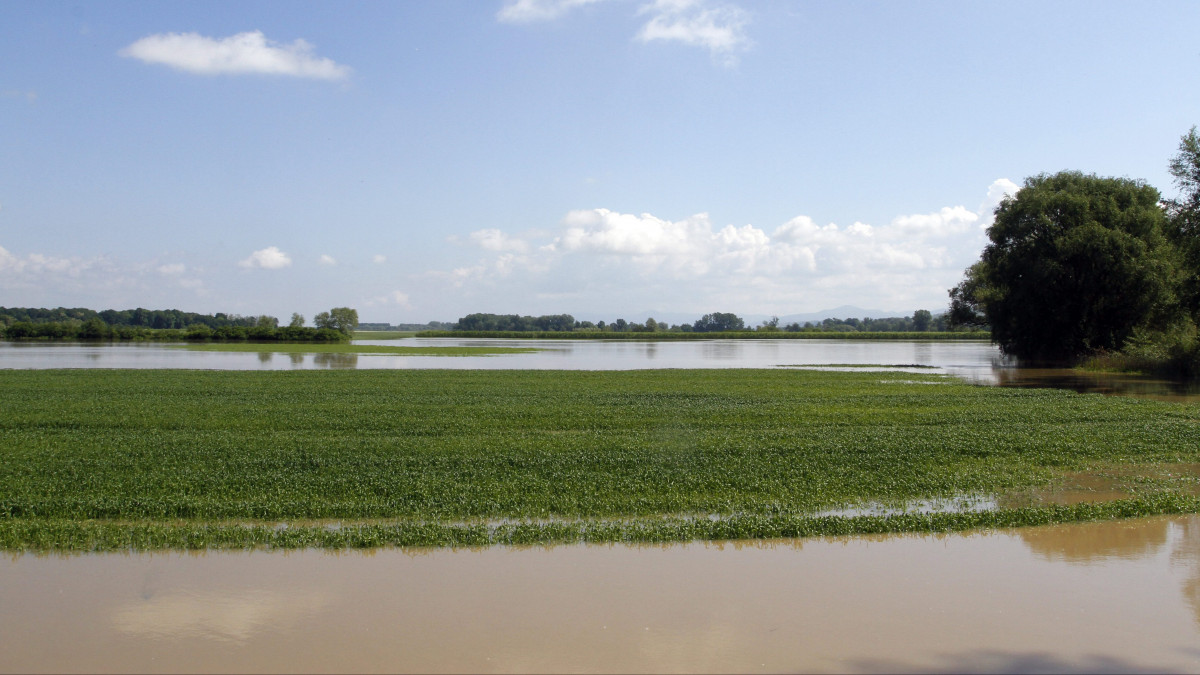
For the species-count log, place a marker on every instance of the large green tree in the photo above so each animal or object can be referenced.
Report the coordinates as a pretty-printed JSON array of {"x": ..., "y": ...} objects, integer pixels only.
[
  {"x": 342, "y": 319},
  {"x": 1075, "y": 264}
]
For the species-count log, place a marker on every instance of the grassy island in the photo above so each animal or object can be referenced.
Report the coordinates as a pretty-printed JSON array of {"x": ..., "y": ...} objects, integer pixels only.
[{"x": 131, "y": 459}]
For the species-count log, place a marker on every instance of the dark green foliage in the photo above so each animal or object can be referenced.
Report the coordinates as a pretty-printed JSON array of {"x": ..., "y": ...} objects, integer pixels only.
[
  {"x": 513, "y": 322},
  {"x": 340, "y": 319},
  {"x": 183, "y": 458},
  {"x": 718, "y": 322},
  {"x": 1076, "y": 263}
]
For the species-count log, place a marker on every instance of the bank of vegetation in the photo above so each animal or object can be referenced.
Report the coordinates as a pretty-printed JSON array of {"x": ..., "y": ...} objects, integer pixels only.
[
  {"x": 113, "y": 460},
  {"x": 717, "y": 335}
]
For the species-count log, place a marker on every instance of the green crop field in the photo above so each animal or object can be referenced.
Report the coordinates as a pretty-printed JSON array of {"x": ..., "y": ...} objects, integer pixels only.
[{"x": 120, "y": 459}]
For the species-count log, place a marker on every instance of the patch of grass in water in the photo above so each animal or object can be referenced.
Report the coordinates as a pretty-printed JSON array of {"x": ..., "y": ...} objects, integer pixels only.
[
  {"x": 867, "y": 366},
  {"x": 344, "y": 348}
]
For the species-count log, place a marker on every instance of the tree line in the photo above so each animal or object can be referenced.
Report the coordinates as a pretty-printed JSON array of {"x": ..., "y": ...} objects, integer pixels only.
[
  {"x": 717, "y": 322},
  {"x": 1079, "y": 266},
  {"x": 23, "y": 323}
]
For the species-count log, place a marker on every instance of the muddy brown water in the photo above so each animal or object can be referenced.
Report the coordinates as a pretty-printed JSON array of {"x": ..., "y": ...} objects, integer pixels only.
[{"x": 1100, "y": 597}]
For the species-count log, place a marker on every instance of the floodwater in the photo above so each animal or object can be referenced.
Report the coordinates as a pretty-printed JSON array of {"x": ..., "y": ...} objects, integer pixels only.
[
  {"x": 975, "y": 361},
  {"x": 552, "y": 355},
  {"x": 1098, "y": 597}
]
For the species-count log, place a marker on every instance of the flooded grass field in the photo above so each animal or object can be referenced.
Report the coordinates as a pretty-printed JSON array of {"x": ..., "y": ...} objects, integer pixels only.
[
  {"x": 250, "y": 471},
  {"x": 1119, "y": 596}
]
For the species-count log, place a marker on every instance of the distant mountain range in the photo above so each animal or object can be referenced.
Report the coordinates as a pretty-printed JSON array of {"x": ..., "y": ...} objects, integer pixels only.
[{"x": 843, "y": 312}]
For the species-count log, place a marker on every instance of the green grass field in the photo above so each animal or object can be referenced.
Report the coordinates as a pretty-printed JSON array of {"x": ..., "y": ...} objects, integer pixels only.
[{"x": 102, "y": 460}]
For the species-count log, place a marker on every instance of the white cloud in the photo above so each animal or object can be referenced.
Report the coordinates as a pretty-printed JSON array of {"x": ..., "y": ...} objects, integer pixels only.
[
  {"x": 378, "y": 259},
  {"x": 172, "y": 269},
  {"x": 527, "y": 11},
  {"x": 949, "y": 220},
  {"x": 326, "y": 260},
  {"x": 244, "y": 53},
  {"x": 598, "y": 257},
  {"x": 997, "y": 191},
  {"x": 269, "y": 258},
  {"x": 717, "y": 28}
]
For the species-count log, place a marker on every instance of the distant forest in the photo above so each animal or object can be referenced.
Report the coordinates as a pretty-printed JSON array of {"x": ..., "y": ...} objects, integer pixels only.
[
  {"x": 921, "y": 321},
  {"x": 78, "y": 323},
  {"x": 146, "y": 318}
]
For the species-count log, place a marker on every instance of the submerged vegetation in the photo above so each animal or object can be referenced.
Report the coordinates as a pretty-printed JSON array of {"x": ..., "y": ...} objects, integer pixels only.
[
  {"x": 95, "y": 460},
  {"x": 348, "y": 348}
]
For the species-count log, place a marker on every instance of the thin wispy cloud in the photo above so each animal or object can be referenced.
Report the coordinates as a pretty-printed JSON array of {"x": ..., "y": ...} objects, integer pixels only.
[
  {"x": 269, "y": 258},
  {"x": 528, "y": 11},
  {"x": 241, "y": 54},
  {"x": 718, "y": 27},
  {"x": 721, "y": 29},
  {"x": 29, "y": 96}
]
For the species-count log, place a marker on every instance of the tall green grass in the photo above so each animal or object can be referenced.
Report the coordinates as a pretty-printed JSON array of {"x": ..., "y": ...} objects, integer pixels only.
[{"x": 110, "y": 459}]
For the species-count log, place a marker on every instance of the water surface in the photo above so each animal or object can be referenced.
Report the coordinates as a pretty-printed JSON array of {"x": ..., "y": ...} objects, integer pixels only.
[{"x": 1102, "y": 597}]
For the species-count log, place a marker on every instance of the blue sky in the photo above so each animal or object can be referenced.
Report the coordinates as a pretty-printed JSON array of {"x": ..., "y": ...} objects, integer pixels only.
[{"x": 424, "y": 160}]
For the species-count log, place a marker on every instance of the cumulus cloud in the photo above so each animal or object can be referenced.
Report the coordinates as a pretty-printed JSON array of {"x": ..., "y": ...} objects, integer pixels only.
[
  {"x": 244, "y": 53},
  {"x": 949, "y": 220},
  {"x": 527, "y": 11},
  {"x": 326, "y": 260},
  {"x": 599, "y": 254},
  {"x": 378, "y": 259},
  {"x": 269, "y": 258},
  {"x": 997, "y": 191},
  {"x": 172, "y": 269}
]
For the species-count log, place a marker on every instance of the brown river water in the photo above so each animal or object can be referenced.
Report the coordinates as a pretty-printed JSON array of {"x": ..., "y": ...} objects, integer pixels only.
[{"x": 1099, "y": 597}]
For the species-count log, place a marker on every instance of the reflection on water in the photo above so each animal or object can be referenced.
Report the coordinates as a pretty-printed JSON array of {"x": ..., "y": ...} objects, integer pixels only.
[
  {"x": 1093, "y": 597},
  {"x": 227, "y": 615},
  {"x": 1123, "y": 384},
  {"x": 333, "y": 360},
  {"x": 1098, "y": 542}
]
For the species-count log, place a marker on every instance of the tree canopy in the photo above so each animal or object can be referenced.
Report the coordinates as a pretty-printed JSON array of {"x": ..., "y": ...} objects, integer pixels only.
[
  {"x": 1183, "y": 218},
  {"x": 1075, "y": 263},
  {"x": 719, "y": 321},
  {"x": 342, "y": 319}
]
